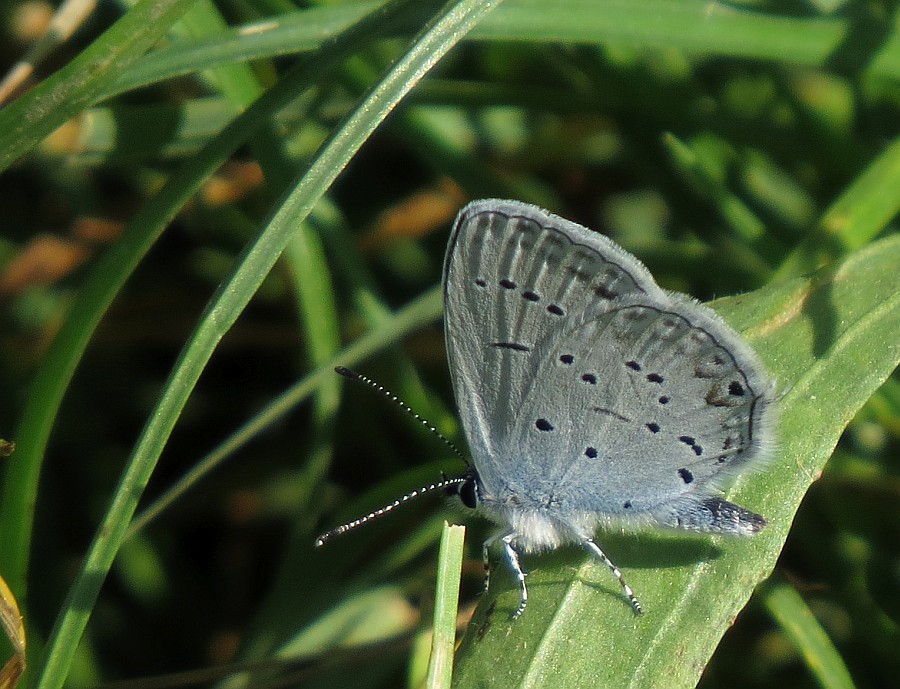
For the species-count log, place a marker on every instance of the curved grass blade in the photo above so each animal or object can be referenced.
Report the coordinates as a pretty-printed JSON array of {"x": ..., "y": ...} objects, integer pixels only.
[
  {"x": 26, "y": 121},
  {"x": 800, "y": 625},
  {"x": 224, "y": 308}
]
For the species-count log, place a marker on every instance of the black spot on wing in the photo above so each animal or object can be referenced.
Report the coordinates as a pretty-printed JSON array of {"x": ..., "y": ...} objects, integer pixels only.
[
  {"x": 691, "y": 443},
  {"x": 515, "y": 346},
  {"x": 604, "y": 292}
]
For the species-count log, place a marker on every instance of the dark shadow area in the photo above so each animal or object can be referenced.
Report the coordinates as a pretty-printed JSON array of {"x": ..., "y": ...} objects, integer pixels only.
[
  {"x": 645, "y": 550},
  {"x": 867, "y": 33},
  {"x": 819, "y": 308}
]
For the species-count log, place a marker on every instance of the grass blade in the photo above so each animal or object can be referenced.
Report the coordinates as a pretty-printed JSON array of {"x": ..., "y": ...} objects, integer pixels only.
[
  {"x": 446, "y": 597},
  {"x": 800, "y": 625},
  {"x": 225, "y": 307}
]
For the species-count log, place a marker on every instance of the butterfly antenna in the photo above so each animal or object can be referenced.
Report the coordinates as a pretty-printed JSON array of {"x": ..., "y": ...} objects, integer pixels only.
[
  {"x": 349, "y": 526},
  {"x": 359, "y": 377}
]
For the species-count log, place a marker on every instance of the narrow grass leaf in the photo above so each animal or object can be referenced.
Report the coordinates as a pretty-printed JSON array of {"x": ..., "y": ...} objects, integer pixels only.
[
  {"x": 857, "y": 216},
  {"x": 800, "y": 625},
  {"x": 225, "y": 307},
  {"x": 28, "y": 120},
  {"x": 106, "y": 278},
  {"x": 446, "y": 599},
  {"x": 694, "y": 26}
]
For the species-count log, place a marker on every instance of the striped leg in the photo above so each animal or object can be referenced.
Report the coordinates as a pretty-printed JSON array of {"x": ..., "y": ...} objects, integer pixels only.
[
  {"x": 512, "y": 559},
  {"x": 593, "y": 548},
  {"x": 486, "y": 558}
]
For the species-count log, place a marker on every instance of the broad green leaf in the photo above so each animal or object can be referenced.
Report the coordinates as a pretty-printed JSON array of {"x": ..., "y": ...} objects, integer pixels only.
[{"x": 830, "y": 340}]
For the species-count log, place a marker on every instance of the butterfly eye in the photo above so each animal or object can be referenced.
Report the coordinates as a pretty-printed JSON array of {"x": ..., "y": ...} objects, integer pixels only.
[{"x": 468, "y": 493}]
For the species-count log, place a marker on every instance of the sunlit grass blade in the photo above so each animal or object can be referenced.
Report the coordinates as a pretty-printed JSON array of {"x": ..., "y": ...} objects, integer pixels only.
[
  {"x": 694, "y": 26},
  {"x": 225, "y": 307},
  {"x": 35, "y": 115},
  {"x": 446, "y": 599},
  {"x": 800, "y": 625},
  {"x": 105, "y": 281}
]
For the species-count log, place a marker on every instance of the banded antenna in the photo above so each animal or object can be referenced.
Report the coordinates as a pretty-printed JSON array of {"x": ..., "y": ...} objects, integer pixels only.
[{"x": 449, "y": 485}]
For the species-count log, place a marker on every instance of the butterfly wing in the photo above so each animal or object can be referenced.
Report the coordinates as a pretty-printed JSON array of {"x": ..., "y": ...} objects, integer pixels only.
[
  {"x": 514, "y": 276},
  {"x": 641, "y": 409}
]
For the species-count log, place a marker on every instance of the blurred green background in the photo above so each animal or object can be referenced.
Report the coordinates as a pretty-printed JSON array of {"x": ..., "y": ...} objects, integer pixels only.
[{"x": 728, "y": 146}]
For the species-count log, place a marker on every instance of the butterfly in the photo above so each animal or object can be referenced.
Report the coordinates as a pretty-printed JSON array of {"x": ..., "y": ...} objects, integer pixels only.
[{"x": 589, "y": 396}]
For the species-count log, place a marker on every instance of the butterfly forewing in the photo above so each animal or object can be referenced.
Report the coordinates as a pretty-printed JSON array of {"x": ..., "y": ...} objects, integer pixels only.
[{"x": 513, "y": 275}]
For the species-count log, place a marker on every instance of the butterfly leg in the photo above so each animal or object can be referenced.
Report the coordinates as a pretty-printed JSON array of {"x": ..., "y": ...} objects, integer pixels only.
[
  {"x": 594, "y": 549},
  {"x": 512, "y": 559},
  {"x": 486, "y": 559}
]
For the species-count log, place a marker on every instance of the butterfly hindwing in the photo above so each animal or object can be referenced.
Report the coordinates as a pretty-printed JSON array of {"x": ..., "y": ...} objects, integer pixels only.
[{"x": 637, "y": 405}]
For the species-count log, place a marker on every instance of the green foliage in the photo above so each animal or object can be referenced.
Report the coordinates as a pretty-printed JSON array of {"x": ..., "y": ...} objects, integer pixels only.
[{"x": 747, "y": 148}]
